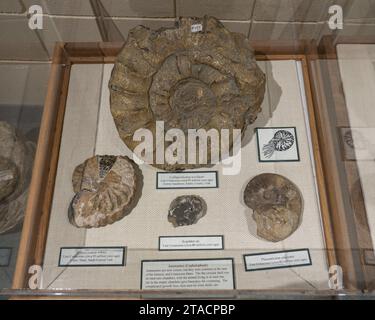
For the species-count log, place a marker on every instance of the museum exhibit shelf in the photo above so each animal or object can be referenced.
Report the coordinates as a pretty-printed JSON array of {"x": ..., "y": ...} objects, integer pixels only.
[
  {"x": 77, "y": 124},
  {"x": 311, "y": 97}
]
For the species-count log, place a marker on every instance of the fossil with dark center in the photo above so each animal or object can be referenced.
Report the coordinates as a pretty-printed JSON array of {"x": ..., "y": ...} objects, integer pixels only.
[
  {"x": 107, "y": 188},
  {"x": 277, "y": 206},
  {"x": 186, "y": 210}
]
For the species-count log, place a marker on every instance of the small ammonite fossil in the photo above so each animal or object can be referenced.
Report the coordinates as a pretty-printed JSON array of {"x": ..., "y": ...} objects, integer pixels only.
[
  {"x": 186, "y": 210},
  {"x": 277, "y": 206},
  {"x": 281, "y": 141},
  {"x": 106, "y": 190}
]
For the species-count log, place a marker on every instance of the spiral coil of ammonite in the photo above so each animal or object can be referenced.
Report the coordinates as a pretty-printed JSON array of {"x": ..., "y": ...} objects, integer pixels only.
[
  {"x": 190, "y": 80},
  {"x": 106, "y": 190},
  {"x": 277, "y": 205}
]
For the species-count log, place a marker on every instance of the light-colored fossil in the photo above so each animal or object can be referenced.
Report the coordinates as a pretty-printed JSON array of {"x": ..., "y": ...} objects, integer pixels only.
[
  {"x": 277, "y": 206},
  {"x": 107, "y": 189},
  {"x": 16, "y": 159},
  {"x": 190, "y": 80},
  {"x": 186, "y": 210}
]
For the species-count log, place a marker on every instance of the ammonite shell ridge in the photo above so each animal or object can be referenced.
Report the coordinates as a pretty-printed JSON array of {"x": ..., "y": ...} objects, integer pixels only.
[
  {"x": 106, "y": 188},
  {"x": 190, "y": 80},
  {"x": 277, "y": 206}
]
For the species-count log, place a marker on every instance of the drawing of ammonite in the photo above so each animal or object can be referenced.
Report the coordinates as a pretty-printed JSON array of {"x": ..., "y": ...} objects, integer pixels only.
[
  {"x": 16, "y": 162},
  {"x": 354, "y": 139},
  {"x": 281, "y": 141},
  {"x": 186, "y": 210},
  {"x": 189, "y": 80},
  {"x": 277, "y": 206},
  {"x": 107, "y": 189}
]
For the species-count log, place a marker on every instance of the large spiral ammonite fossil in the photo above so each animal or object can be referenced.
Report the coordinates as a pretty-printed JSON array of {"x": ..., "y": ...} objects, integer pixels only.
[
  {"x": 277, "y": 206},
  {"x": 190, "y": 80},
  {"x": 16, "y": 159},
  {"x": 107, "y": 188}
]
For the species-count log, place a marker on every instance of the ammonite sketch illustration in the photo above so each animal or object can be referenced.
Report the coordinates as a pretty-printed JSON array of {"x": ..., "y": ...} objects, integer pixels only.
[
  {"x": 189, "y": 80},
  {"x": 281, "y": 141},
  {"x": 186, "y": 210},
  {"x": 106, "y": 190},
  {"x": 16, "y": 162},
  {"x": 354, "y": 139}
]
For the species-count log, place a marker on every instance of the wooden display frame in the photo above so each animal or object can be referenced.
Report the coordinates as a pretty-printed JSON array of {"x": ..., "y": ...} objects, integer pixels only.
[
  {"x": 35, "y": 228},
  {"x": 356, "y": 244}
]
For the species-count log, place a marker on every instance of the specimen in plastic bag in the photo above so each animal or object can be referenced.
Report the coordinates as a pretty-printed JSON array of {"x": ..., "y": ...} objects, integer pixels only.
[{"x": 277, "y": 206}]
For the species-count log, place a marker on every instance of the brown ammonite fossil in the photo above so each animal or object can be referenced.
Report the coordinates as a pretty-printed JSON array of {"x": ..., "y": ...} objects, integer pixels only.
[
  {"x": 186, "y": 210},
  {"x": 277, "y": 206},
  {"x": 107, "y": 189},
  {"x": 189, "y": 80}
]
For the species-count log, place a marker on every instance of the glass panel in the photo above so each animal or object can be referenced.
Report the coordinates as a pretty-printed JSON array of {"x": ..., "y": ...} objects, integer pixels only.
[{"x": 287, "y": 88}]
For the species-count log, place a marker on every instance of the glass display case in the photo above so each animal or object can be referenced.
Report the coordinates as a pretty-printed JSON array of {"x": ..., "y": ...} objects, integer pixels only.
[{"x": 203, "y": 149}]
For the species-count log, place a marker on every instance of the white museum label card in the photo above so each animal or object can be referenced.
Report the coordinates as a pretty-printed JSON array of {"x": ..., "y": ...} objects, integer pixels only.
[
  {"x": 170, "y": 243},
  {"x": 92, "y": 256},
  {"x": 187, "y": 180},
  {"x": 208, "y": 274},
  {"x": 196, "y": 27},
  {"x": 5, "y": 254},
  {"x": 277, "y": 260},
  {"x": 277, "y": 144}
]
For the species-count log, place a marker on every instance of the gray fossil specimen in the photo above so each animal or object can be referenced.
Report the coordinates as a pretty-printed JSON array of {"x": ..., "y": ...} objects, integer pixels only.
[
  {"x": 107, "y": 189},
  {"x": 277, "y": 206},
  {"x": 190, "y": 80},
  {"x": 16, "y": 159},
  {"x": 186, "y": 210}
]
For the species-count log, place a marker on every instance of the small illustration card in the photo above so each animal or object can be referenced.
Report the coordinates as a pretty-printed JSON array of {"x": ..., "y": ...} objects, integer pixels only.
[
  {"x": 277, "y": 144},
  {"x": 357, "y": 143}
]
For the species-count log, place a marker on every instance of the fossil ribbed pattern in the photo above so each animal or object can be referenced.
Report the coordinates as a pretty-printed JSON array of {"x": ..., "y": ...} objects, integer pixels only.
[
  {"x": 190, "y": 80},
  {"x": 105, "y": 186}
]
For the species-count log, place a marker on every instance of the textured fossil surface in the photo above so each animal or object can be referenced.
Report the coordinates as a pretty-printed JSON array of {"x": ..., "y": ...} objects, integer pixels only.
[
  {"x": 186, "y": 210},
  {"x": 107, "y": 189},
  {"x": 8, "y": 178},
  {"x": 277, "y": 206},
  {"x": 16, "y": 158},
  {"x": 190, "y": 80}
]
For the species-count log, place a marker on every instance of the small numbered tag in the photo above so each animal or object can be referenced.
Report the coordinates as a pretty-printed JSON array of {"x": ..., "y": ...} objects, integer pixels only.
[{"x": 196, "y": 27}]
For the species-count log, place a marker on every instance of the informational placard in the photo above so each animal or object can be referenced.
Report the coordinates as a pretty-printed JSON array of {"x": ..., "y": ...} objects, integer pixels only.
[
  {"x": 5, "y": 255},
  {"x": 187, "y": 180},
  {"x": 204, "y": 274},
  {"x": 277, "y": 260},
  {"x": 170, "y": 243},
  {"x": 196, "y": 27},
  {"x": 92, "y": 256}
]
